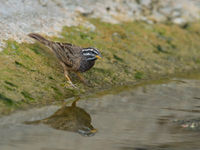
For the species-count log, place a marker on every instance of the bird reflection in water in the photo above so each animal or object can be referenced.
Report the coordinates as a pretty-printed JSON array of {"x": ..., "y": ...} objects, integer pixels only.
[{"x": 69, "y": 118}]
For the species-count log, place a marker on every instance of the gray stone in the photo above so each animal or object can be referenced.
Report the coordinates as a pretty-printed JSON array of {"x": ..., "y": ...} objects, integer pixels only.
[{"x": 18, "y": 18}]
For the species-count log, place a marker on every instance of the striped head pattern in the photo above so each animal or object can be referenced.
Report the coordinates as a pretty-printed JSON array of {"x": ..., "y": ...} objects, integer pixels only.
[{"x": 91, "y": 54}]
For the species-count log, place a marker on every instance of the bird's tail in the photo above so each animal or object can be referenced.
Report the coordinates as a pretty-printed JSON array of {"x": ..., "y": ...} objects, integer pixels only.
[{"x": 40, "y": 39}]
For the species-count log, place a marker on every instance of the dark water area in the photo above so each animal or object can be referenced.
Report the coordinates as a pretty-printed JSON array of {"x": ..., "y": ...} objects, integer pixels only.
[{"x": 163, "y": 116}]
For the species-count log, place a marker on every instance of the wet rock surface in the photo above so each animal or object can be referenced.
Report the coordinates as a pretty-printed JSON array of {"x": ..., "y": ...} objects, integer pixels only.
[{"x": 18, "y": 18}]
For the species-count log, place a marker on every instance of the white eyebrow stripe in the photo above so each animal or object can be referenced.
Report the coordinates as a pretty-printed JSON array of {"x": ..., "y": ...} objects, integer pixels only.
[
  {"x": 88, "y": 54},
  {"x": 96, "y": 52},
  {"x": 87, "y": 50}
]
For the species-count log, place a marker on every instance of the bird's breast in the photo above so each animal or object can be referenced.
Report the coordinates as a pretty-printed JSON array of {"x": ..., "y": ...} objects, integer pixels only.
[{"x": 86, "y": 65}]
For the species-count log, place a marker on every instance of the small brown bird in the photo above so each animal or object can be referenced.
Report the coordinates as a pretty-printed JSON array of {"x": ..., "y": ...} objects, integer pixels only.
[
  {"x": 71, "y": 57},
  {"x": 69, "y": 118}
]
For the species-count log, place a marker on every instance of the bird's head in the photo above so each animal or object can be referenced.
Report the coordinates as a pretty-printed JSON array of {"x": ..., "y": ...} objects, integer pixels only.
[
  {"x": 87, "y": 130},
  {"x": 91, "y": 54}
]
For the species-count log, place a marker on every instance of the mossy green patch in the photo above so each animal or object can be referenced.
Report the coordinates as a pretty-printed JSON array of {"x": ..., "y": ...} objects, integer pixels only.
[
  {"x": 27, "y": 95},
  {"x": 30, "y": 73},
  {"x": 6, "y": 100},
  {"x": 138, "y": 75},
  {"x": 10, "y": 84}
]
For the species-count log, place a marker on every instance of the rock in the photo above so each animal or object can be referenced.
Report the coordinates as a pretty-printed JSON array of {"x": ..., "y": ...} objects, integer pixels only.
[
  {"x": 179, "y": 21},
  {"x": 18, "y": 18}
]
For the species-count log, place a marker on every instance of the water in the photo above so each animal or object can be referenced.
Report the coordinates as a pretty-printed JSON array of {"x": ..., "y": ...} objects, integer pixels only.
[{"x": 147, "y": 117}]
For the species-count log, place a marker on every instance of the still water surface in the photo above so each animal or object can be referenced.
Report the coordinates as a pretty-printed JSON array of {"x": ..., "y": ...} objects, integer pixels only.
[{"x": 147, "y": 117}]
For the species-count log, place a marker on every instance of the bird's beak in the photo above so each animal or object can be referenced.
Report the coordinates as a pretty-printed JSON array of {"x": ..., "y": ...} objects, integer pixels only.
[
  {"x": 98, "y": 57},
  {"x": 93, "y": 130}
]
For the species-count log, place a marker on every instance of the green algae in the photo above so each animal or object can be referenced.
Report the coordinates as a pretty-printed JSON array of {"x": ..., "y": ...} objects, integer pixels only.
[{"x": 31, "y": 75}]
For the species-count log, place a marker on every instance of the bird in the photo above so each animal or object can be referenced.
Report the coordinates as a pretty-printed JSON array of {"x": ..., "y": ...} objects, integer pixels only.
[
  {"x": 69, "y": 118},
  {"x": 71, "y": 57}
]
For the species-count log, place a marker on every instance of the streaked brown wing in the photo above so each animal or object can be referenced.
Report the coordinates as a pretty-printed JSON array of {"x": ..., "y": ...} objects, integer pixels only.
[
  {"x": 68, "y": 54},
  {"x": 74, "y": 50}
]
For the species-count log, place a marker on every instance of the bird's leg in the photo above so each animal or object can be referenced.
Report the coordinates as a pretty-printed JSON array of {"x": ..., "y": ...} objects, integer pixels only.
[
  {"x": 81, "y": 77},
  {"x": 74, "y": 102},
  {"x": 67, "y": 76},
  {"x": 68, "y": 79}
]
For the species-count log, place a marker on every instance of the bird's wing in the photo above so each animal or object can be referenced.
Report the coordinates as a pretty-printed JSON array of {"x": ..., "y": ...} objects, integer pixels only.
[{"x": 69, "y": 54}]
